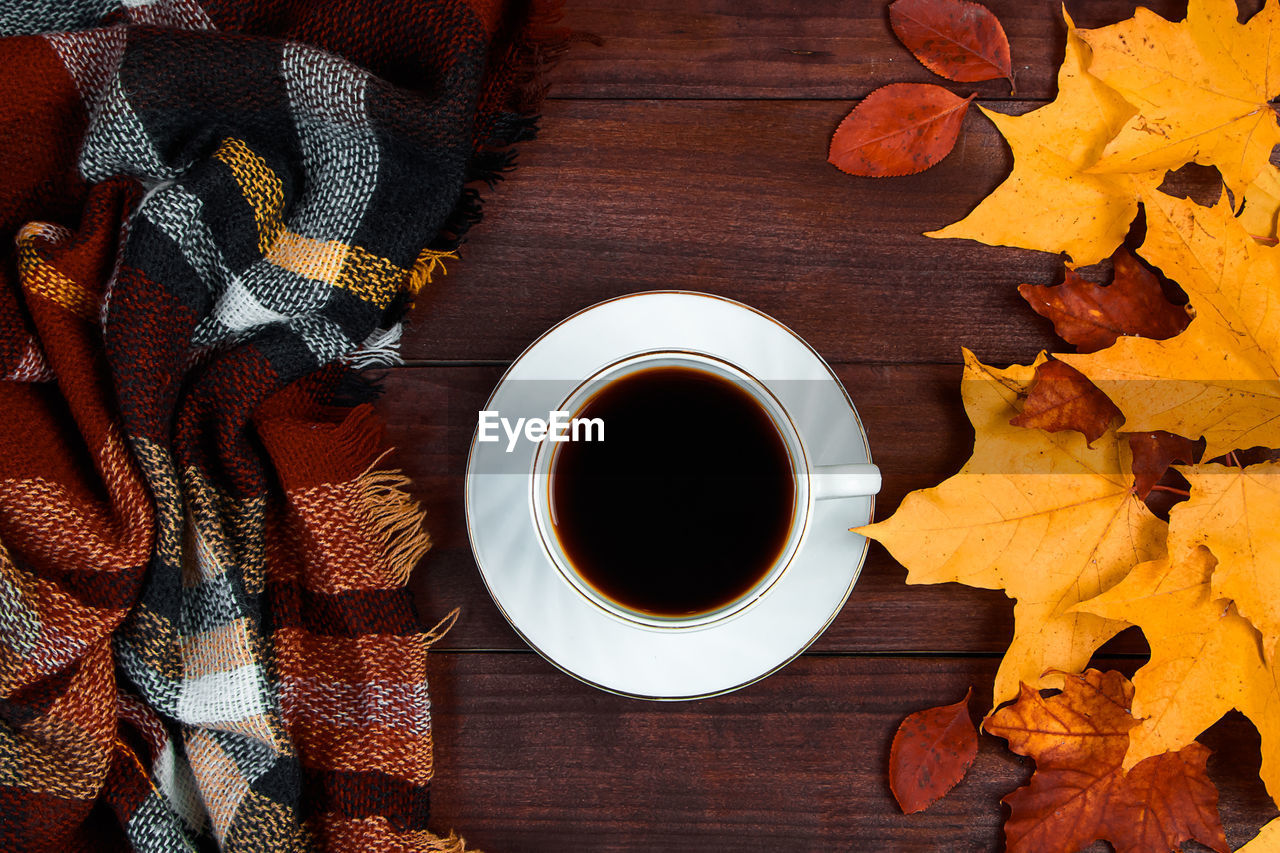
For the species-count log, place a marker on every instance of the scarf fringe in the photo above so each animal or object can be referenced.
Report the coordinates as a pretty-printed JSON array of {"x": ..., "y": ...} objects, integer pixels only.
[
  {"x": 452, "y": 843},
  {"x": 396, "y": 519},
  {"x": 535, "y": 51},
  {"x": 490, "y": 167},
  {"x": 426, "y": 265},
  {"x": 437, "y": 632},
  {"x": 381, "y": 349}
]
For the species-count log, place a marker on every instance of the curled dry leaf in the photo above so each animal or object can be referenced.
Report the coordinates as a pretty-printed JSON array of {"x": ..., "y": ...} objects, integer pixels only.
[
  {"x": 1081, "y": 792},
  {"x": 1153, "y": 453},
  {"x": 956, "y": 39},
  {"x": 1062, "y": 398},
  {"x": 1220, "y": 378},
  {"x": 899, "y": 129},
  {"x": 931, "y": 753},
  {"x": 1092, "y": 316}
]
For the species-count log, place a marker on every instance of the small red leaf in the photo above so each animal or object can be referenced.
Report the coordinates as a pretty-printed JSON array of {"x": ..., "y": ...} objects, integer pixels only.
[
  {"x": 899, "y": 129},
  {"x": 1063, "y": 398},
  {"x": 1153, "y": 453},
  {"x": 1092, "y": 316},
  {"x": 953, "y": 38},
  {"x": 930, "y": 754}
]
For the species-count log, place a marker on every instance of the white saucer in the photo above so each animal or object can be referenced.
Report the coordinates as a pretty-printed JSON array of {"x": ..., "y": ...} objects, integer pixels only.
[{"x": 577, "y": 635}]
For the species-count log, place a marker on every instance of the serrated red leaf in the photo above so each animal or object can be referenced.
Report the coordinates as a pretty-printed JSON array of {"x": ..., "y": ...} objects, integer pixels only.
[
  {"x": 1063, "y": 398},
  {"x": 956, "y": 39},
  {"x": 1092, "y": 316},
  {"x": 1153, "y": 453},
  {"x": 899, "y": 129},
  {"x": 930, "y": 754},
  {"x": 1080, "y": 791}
]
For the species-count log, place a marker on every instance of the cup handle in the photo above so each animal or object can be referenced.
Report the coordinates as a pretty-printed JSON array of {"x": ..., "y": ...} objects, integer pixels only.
[{"x": 844, "y": 481}]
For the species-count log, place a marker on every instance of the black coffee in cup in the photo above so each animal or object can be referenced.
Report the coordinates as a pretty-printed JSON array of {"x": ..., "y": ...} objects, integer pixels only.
[{"x": 688, "y": 501}]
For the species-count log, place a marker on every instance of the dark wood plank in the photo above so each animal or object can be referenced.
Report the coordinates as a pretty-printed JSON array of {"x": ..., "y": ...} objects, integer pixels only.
[
  {"x": 528, "y": 759},
  {"x": 918, "y": 435},
  {"x": 736, "y": 198},
  {"x": 776, "y": 49}
]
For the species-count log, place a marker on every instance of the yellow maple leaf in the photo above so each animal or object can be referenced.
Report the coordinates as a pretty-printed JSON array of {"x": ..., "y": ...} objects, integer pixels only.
[
  {"x": 1049, "y": 202},
  {"x": 1262, "y": 204},
  {"x": 1266, "y": 841},
  {"x": 1235, "y": 512},
  {"x": 1200, "y": 88},
  {"x": 1220, "y": 378},
  {"x": 1042, "y": 516},
  {"x": 1205, "y": 657}
]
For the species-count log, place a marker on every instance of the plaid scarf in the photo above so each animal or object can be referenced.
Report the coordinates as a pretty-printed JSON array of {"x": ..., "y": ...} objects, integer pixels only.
[{"x": 218, "y": 210}]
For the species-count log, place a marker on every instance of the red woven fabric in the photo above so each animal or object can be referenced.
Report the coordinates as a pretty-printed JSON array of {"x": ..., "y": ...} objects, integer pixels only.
[{"x": 216, "y": 209}]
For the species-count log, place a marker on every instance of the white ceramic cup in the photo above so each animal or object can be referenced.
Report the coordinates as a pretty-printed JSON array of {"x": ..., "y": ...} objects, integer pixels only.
[{"x": 811, "y": 484}]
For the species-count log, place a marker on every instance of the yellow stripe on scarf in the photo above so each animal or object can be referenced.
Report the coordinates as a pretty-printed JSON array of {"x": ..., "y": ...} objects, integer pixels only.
[
  {"x": 40, "y": 277},
  {"x": 370, "y": 277}
]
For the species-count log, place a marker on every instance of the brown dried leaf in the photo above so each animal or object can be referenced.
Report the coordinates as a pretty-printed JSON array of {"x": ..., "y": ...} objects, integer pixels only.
[
  {"x": 956, "y": 39},
  {"x": 931, "y": 753},
  {"x": 899, "y": 129},
  {"x": 1062, "y": 398},
  {"x": 1220, "y": 377},
  {"x": 1092, "y": 316},
  {"x": 1153, "y": 453},
  {"x": 1080, "y": 792}
]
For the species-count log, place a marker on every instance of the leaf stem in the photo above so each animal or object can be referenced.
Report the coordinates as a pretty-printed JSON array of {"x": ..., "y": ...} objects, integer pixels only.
[{"x": 1171, "y": 490}]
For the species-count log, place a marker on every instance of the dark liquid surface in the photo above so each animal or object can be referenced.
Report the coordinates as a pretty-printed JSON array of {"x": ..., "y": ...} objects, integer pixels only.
[{"x": 686, "y": 504}]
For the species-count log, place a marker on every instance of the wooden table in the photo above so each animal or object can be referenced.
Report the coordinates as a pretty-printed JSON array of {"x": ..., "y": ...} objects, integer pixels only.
[{"x": 689, "y": 151}]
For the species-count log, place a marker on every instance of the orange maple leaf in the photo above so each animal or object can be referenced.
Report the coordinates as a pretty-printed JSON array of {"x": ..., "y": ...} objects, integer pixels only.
[{"x": 1080, "y": 792}]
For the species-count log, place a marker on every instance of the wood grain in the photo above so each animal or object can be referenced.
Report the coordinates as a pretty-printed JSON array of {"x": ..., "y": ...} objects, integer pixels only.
[
  {"x": 688, "y": 150},
  {"x": 529, "y": 760},
  {"x": 736, "y": 198},
  {"x": 918, "y": 434},
  {"x": 774, "y": 49}
]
